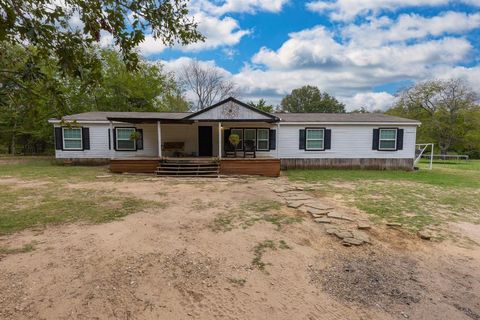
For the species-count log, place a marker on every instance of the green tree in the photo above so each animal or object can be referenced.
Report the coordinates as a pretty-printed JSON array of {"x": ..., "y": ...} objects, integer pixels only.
[
  {"x": 29, "y": 97},
  {"x": 310, "y": 99},
  {"x": 447, "y": 110},
  {"x": 148, "y": 88},
  {"x": 261, "y": 105},
  {"x": 48, "y": 26}
]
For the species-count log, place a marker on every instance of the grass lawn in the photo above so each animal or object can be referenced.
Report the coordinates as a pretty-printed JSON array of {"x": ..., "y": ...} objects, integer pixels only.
[
  {"x": 40, "y": 193},
  {"x": 420, "y": 199}
]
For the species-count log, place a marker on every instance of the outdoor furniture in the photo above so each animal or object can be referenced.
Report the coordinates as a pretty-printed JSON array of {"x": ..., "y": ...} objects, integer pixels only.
[
  {"x": 249, "y": 149},
  {"x": 229, "y": 150},
  {"x": 176, "y": 149}
]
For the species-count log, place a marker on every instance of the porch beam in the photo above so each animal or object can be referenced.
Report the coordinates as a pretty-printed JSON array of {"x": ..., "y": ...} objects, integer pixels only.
[
  {"x": 219, "y": 140},
  {"x": 159, "y": 136}
]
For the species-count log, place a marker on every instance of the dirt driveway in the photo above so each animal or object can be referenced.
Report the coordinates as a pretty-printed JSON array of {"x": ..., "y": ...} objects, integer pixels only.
[{"x": 231, "y": 248}]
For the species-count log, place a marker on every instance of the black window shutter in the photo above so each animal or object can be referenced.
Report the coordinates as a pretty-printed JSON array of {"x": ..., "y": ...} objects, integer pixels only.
[
  {"x": 399, "y": 139},
  {"x": 86, "y": 138},
  {"x": 109, "y": 140},
  {"x": 115, "y": 138},
  {"x": 226, "y": 135},
  {"x": 301, "y": 141},
  {"x": 140, "y": 139},
  {"x": 273, "y": 139},
  {"x": 58, "y": 138},
  {"x": 376, "y": 137},
  {"x": 328, "y": 139}
]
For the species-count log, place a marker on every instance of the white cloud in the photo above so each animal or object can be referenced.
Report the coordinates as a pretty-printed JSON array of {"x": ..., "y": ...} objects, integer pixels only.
[
  {"x": 229, "y": 6},
  {"x": 410, "y": 26},
  {"x": 348, "y": 9},
  {"x": 219, "y": 32},
  {"x": 316, "y": 48},
  {"x": 371, "y": 101}
]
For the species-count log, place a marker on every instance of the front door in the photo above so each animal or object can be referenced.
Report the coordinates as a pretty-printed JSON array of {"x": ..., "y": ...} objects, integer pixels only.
[{"x": 205, "y": 144}]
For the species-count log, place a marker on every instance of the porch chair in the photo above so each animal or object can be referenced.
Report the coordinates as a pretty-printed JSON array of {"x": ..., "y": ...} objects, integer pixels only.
[
  {"x": 249, "y": 149},
  {"x": 229, "y": 150}
]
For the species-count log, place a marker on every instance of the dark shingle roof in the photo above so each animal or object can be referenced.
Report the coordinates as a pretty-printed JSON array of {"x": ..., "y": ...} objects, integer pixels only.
[
  {"x": 342, "y": 117},
  {"x": 284, "y": 117},
  {"x": 101, "y": 115}
]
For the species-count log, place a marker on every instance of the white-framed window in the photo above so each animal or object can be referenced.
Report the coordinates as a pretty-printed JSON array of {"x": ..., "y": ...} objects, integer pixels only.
[
  {"x": 387, "y": 139},
  {"x": 124, "y": 139},
  {"x": 239, "y": 133},
  {"x": 72, "y": 138},
  {"x": 250, "y": 134},
  {"x": 263, "y": 136},
  {"x": 314, "y": 139}
]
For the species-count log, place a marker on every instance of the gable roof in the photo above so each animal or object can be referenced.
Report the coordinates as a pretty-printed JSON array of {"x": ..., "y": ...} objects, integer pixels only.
[{"x": 264, "y": 115}]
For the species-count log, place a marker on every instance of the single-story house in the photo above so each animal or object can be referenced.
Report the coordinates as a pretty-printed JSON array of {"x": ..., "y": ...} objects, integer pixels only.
[{"x": 198, "y": 143}]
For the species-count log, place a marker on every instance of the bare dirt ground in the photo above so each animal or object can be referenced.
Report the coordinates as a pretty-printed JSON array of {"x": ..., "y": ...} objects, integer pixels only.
[{"x": 210, "y": 254}]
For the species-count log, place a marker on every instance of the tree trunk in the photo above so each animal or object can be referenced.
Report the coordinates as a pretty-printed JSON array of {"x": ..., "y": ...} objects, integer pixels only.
[{"x": 443, "y": 152}]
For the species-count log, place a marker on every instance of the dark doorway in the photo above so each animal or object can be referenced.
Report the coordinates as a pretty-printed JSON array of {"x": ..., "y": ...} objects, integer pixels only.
[{"x": 205, "y": 145}]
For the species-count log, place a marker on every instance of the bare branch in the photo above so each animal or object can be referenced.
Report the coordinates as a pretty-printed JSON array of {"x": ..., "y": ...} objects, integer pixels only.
[{"x": 207, "y": 83}]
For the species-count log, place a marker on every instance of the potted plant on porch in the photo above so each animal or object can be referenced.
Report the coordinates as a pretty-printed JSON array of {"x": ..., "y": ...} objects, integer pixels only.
[{"x": 234, "y": 140}]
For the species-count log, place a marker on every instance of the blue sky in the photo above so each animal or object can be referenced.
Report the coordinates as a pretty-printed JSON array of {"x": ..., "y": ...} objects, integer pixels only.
[{"x": 363, "y": 52}]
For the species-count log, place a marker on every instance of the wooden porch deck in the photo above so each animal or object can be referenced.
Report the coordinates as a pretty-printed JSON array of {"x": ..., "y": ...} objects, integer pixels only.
[{"x": 269, "y": 167}]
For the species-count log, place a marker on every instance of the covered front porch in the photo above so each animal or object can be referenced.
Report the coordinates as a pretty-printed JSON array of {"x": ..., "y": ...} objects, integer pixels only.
[{"x": 202, "y": 139}]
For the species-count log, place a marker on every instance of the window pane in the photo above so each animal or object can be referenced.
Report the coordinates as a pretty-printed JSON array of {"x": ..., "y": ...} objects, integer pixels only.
[
  {"x": 124, "y": 134},
  {"x": 126, "y": 144},
  {"x": 73, "y": 144},
  {"x": 250, "y": 134},
  {"x": 263, "y": 145},
  {"x": 262, "y": 134},
  {"x": 72, "y": 133},
  {"x": 388, "y": 134},
  {"x": 238, "y": 132},
  {"x": 315, "y": 134},
  {"x": 387, "y": 144},
  {"x": 314, "y": 144}
]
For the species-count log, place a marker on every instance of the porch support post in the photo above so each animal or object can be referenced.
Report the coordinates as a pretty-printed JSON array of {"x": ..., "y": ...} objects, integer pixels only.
[
  {"x": 276, "y": 139},
  {"x": 159, "y": 138},
  {"x": 112, "y": 141},
  {"x": 219, "y": 140}
]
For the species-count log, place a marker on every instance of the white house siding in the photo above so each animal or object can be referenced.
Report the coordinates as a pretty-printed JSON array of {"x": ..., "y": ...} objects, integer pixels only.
[
  {"x": 347, "y": 142},
  {"x": 99, "y": 143}
]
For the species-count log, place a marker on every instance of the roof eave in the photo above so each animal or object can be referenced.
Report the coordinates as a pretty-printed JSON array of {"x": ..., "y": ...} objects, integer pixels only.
[{"x": 383, "y": 123}]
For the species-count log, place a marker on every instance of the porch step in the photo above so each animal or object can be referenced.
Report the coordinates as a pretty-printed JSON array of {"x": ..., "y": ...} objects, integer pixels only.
[{"x": 188, "y": 168}]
